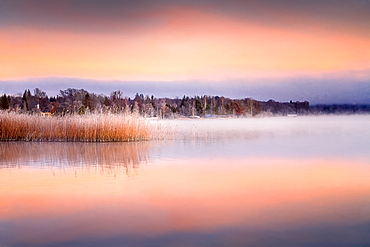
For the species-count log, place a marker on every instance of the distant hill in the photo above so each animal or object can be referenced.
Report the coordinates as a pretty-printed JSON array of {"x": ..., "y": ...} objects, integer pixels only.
[{"x": 340, "y": 109}]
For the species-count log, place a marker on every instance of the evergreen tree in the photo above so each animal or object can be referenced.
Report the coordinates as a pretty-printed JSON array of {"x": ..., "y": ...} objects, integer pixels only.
[
  {"x": 87, "y": 101},
  {"x": 26, "y": 99},
  {"x": 106, "y": 101},
  {"x": 4, "y": 102}
]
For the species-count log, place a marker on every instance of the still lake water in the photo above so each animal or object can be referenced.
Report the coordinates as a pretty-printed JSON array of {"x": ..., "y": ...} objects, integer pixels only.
[{"x": 302, "y": 181}]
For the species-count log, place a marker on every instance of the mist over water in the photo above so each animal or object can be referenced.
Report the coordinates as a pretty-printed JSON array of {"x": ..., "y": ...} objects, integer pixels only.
[
  {"x": 281, "y": 181},
  {"x": 293, "y": 136}
]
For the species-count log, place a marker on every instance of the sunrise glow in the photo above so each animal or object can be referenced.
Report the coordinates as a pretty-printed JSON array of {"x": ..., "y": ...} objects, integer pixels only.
[{"x": 177, "y": 43}]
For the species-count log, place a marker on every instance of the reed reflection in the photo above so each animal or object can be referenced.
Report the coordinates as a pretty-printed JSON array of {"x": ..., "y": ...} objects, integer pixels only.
[{"x": 108, "y": 157}]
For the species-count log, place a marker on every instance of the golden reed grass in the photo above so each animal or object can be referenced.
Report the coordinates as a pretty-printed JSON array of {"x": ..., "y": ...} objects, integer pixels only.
[{"x": 84, "y": 128}]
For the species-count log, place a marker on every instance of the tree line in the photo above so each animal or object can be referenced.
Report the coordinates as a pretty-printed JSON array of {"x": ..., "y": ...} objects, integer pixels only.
[{"x": 80, "y": 101}]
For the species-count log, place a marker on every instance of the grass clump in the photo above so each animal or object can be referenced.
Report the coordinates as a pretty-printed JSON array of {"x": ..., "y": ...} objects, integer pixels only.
[{"x": 83, "y": 128}]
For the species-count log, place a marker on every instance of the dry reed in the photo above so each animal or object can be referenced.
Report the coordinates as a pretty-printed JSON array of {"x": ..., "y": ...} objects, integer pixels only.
[{"x": 84, "y": 128}]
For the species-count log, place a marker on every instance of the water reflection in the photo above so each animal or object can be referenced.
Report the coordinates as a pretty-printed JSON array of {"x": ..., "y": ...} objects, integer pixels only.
[
  {"x": 265, "y": 191},
  {"x": 255, "y": 202}
]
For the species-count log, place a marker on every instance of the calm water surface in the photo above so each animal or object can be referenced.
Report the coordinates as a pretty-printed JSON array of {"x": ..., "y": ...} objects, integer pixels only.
[{"x": 301, "y": 181}]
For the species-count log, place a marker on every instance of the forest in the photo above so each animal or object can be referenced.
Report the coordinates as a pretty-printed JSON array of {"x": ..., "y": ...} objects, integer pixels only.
[{"x": 80, "y": 101}]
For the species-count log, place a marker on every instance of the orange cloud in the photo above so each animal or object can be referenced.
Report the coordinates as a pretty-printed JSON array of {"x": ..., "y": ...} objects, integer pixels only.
[{"x": 189, "y": 44}]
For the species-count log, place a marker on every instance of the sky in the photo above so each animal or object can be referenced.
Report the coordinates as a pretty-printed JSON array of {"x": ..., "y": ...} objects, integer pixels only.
[{"x": 280, "y": 49}]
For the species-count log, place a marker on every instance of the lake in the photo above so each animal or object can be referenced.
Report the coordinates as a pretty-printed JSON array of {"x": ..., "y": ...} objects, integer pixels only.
[{"x": 279, "y": 181}]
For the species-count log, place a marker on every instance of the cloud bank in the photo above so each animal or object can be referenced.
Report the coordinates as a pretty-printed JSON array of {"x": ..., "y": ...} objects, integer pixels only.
[{"x": 354, "y": 88}]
